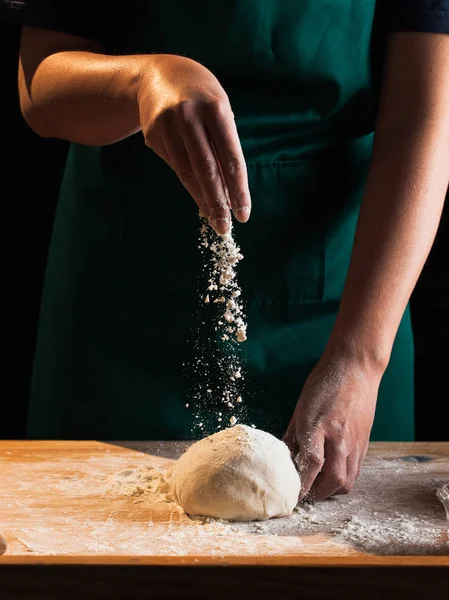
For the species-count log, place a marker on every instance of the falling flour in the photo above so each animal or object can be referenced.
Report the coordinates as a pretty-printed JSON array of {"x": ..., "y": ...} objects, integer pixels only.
[
  {"x": 223, "y": 288},
  {"x": 218, "y": 366}
]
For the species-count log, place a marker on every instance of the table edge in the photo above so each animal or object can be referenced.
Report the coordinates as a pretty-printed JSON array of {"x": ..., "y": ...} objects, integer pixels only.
[{"x": 233, "y": 561}]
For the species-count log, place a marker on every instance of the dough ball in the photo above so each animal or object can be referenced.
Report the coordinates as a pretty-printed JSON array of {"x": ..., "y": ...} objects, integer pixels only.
[{"x": 238, "y": 474}]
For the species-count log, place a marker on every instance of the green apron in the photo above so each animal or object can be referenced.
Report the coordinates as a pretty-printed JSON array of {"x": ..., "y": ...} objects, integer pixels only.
[{"x": 120, "y": 298}]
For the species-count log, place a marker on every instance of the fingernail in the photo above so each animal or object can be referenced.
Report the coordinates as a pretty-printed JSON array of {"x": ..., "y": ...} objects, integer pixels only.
[
  {"x": 242, "y": 214},
  {"x": 221, "y": 226}
]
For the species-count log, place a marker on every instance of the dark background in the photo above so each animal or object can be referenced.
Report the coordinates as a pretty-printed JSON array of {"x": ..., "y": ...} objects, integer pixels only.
[{"x": 31, "y": 171}]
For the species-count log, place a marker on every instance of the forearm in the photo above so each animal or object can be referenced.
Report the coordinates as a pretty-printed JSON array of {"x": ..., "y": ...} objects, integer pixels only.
[
  {"x": 80, "y": 96},
  {"x": 398, "y": 220},
  {"x": 403, "y": 199}
]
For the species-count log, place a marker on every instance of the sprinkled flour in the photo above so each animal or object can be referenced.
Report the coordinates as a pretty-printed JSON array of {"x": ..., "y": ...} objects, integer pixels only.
[
  {"x": 119, "y": 503},
  {"x": 367, "y": 522},
  {"x": 219, "y": 375},
  {"x": 223, "y": 288},
  {"x": 150, "y": 481}
]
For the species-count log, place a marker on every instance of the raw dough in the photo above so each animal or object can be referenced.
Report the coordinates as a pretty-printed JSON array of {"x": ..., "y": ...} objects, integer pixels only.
[{"x": 238, "y": 474}]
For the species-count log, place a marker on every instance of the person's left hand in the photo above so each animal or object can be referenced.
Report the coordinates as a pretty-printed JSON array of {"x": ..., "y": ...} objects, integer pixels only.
[{"x": 330, "y": 428}]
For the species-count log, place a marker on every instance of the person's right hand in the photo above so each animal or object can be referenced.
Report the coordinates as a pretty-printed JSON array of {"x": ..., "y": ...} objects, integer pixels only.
[{"x": 186, "y": 118}]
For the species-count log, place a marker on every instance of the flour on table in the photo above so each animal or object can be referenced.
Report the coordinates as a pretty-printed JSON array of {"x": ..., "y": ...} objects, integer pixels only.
[
  {"x": 396, "y": 530},
  {"x": 123, "y": 506},
  {"x": 365, "y": 521},
  {"x": 150, "y": 481}
]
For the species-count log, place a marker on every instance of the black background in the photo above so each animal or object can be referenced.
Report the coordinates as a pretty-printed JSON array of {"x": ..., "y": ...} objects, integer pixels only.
[{"x": 31, "y": 170}]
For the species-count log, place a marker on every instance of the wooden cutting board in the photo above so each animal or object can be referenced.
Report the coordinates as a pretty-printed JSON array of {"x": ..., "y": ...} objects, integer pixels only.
[{"x": 61, "y": 499}]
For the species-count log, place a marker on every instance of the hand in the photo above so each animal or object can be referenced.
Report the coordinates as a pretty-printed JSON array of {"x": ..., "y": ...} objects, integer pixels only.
[
  {"x": 331, "y": 425},
  {"x": 186, "y": 118}
]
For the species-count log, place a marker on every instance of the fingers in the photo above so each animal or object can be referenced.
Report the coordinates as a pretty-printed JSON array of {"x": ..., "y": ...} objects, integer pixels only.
[
  {"x": 352, "y": 472},
  {"x": 311, "y": 460},
  {"x": 179, "y": 161},
  {"x": 223, "y": 132},
  {"x": 324, "y": 467},
  {"x": 199, "y": 140},
  {"x": 208, "y": 174},
  {"x": 362, "y": 458},
  {"x": 333, "y": 474}
]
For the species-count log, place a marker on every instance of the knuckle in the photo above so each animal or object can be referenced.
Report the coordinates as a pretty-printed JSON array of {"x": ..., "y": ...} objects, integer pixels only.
[
  {"x": 313, "y": 459},
  {"x": 340, "y": 448},
  {"x": 218, "y": 212},
  {"x": 208, "y": 171},
  {"x": 339, "y": 480},
  {"x": 185, "y": 109},
  {"x": 217, "y": 106},
  {"x": 187, "y": 177},
  {"x": 165, "y": 117},
  {"x": 339, "y": 430},
  {"x": 163, "y": 121},
  {"x": 350, "y": 482},
  {"x": 233, "y": 166},
  {"x": 348, "y": 486}
]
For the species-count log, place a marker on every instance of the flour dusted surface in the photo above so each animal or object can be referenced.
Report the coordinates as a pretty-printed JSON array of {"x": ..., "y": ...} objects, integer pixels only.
[
  {"x": 388, "y": 513},
  {"x": 115, "y": 502}
]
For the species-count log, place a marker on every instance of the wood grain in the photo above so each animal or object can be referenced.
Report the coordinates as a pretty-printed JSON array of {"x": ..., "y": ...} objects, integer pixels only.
[
  {"x": 67, "y": 532},
  {"x": 56, "y": 499}
]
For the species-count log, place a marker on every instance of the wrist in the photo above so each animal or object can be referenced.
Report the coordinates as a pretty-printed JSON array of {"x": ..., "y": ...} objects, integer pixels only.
[
  {"x": 365, "y": 354},
  {"x": 139, "y": 76},
  {"x": 147, "y": 73}
]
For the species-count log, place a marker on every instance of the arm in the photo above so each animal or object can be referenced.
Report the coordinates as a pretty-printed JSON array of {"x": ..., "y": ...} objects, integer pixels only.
[
  {"x": 403, "y": 199},
  {"x": 399, "y": 216},
  {"x": 70, "y": 89}
]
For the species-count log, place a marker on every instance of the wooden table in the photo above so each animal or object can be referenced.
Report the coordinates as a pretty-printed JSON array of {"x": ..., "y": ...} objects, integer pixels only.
[{"x": 74, "y": 531}]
